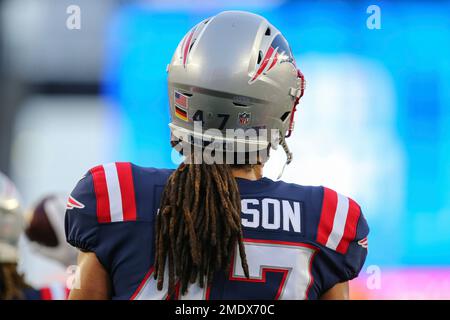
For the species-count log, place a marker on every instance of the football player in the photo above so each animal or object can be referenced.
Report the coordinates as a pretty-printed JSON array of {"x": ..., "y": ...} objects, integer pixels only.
[
  {"x": 12, "y": 284},
  {"x": 45, "y": 236},
  {"x": 209, "y": 229}
]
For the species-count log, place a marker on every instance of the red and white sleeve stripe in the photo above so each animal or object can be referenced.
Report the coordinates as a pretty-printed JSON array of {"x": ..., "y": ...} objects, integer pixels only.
[
  {"x": 338, "y": 221},
  {"x": 55, "y": 291},
  {"x": 114, "y": 191}
]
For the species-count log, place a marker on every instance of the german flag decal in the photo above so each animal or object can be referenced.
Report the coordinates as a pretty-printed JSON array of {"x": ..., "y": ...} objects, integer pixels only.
[{"x": 181, "y": 113}]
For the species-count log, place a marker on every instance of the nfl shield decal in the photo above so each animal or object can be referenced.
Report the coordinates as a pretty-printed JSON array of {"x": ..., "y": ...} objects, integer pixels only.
[{"x": 244, "y": 118}]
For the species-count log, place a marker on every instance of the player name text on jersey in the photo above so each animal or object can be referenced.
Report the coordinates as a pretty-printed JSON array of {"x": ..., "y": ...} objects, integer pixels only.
[{"x": 271, "y": 214}]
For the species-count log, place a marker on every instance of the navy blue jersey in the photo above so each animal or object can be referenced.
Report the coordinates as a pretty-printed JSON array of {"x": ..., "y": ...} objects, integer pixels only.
[{"x": 299, "y": 240}]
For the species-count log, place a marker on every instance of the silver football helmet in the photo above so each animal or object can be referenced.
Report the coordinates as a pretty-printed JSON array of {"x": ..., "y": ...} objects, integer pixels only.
[
  {"x": 234, "y": 71},
  {"x": 51, "y": 208},
  {"x": 11, "y": 220}
]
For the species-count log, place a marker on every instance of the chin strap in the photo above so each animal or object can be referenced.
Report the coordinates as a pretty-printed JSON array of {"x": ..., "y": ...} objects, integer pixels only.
[
  {"x": 288, "y": 156},
  {"x": 297, "y": 94}
]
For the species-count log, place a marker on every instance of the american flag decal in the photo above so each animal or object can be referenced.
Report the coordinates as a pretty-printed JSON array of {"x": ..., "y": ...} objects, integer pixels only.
[{"x": 181, "y": 100}]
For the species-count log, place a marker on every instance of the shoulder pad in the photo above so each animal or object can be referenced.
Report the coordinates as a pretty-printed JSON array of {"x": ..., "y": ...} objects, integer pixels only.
[
  {"x": 114, "y": 192},
  {"x": 338, "y": 221},
  {"x": 119, "y": 191}
]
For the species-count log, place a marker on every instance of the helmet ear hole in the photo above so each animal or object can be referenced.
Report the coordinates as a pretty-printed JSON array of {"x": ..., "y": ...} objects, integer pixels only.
[
  {"x": 267, "y": 32},
  {"x": 240, "y": 104},
  {"x": 192, "y": 44},
  {"x": 260, "y": 56},
  {"x": 285, "y": 115}
]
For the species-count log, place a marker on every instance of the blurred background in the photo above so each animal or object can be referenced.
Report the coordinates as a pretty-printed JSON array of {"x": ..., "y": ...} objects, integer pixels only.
[{"x": 374, "y": 122}]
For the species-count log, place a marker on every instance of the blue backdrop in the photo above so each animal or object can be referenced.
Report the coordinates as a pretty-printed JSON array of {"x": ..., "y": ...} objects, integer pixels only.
[{"x": 410, "y": 219}]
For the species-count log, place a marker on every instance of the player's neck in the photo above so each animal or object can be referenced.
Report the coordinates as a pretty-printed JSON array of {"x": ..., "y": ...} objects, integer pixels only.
[{"x": 253, "y": 173}]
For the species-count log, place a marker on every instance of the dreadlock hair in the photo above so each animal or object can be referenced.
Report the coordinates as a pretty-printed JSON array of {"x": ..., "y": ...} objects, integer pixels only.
[
  {"x": 11, "y": 282},
  {"x": 198, "y": 226}
]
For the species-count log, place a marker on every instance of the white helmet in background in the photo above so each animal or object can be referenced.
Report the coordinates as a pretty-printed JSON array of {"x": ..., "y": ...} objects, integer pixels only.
[
  {"x": 11, "y": 220},
  {"x": 234, "y": 70},
  {"x": 45, "y": 230}
]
